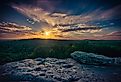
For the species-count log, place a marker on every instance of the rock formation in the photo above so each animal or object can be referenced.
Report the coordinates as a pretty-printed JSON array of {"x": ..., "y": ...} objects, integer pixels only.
[
  {"x": 94, "y": 59},
  {"x": 45, "y": 70}
]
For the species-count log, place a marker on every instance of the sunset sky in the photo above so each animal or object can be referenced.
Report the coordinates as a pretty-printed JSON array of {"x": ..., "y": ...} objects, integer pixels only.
[{"x": 60, "y": 19}]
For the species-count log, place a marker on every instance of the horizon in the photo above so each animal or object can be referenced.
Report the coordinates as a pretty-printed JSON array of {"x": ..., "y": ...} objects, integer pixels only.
[
  {"x": 8, "y": 39},
  {"x": 60, "y": 20}
]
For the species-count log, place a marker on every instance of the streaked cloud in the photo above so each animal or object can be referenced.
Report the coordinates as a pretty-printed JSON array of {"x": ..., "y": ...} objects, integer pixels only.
[
  {"x": 39, "y": 14},
  {"x": 115, "y": 33},
  {"x": 62, "y": 21},
  {"x": 83, "y": 28},
  {"x": 13, "y": 30},
  {"x": 12, "y": 27},
  {"x": 62, "y": 25},
  {"x": 53, "y": 19},
  {"x": 111, "y": 13}
]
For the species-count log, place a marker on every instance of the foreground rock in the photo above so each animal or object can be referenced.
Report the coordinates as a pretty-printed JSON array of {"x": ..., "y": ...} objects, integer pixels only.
[
  {"x": 43, "y": 70},
  {"x": 55, "y": 70},
  {"x": 94, "y": 59}
]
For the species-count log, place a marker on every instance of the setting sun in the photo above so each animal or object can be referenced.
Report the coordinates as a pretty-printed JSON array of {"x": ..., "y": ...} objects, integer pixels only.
[
  {"x": 50, "y": 33},
  {"x": 47, "y": 33}
]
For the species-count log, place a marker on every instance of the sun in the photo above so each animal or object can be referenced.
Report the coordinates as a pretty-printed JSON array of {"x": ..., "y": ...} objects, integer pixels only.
[{"x": 47, "y": 33}]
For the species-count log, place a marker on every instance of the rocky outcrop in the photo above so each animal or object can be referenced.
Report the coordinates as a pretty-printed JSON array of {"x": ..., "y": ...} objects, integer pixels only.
[
  {"x": 45, "y": 70},
  {"x": 91, "y": 58},
  {"x": 56, "y": 70}
]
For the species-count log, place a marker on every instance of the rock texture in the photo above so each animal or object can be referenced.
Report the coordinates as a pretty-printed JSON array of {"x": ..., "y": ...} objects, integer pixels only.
[
  {"x": 91, "y": 58},
  {"x": 46, "y": 70},
  {"x": 56, "y": 70}
]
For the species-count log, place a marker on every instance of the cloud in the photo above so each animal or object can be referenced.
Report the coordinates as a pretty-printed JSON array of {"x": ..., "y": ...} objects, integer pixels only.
[
  {"x": 115, "y": 33},
  {"x": 111, "y": 13},
  {"x": 39, "y": 14},
  {"x": 82, "y": 31},
  {"x": 47, "y": 4},
  {"x": 54, "y": 18},
  {"x": 15, "y": 31},
  {"x": 13, "y": 28},
  {"x": 82, "y": 28},
  {"x": 58, "y": 15},
  {"x": 62, "y": 21},
  {"x": 66, "y": 25}
]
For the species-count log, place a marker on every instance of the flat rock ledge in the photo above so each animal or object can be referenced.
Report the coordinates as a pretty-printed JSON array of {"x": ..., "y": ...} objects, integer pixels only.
[{"x": 47, "y": 70}]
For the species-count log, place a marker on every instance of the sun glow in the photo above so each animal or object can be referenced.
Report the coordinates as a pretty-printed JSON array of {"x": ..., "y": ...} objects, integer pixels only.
[
  {"x": 50, "y": 33},
  {"x": 47, "y": 33}
]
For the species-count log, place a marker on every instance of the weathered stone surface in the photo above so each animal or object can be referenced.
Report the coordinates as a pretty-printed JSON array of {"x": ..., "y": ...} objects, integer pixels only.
[
  {"x": 52, "y": 70},
  {"x": 91, "y": 58},
  {"x": 48, "y": 69}
]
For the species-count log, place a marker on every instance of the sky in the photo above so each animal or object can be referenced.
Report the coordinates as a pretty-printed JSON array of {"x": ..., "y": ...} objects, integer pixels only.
[{"x": 60, "y": 19}]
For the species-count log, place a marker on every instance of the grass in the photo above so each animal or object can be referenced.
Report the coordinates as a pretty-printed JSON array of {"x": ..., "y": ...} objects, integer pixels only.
[{"x": 22, "y": 49}]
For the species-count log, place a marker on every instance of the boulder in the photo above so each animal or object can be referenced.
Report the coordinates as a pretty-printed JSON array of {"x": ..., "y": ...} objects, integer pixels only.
[{"x": 94, "y": 59}]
